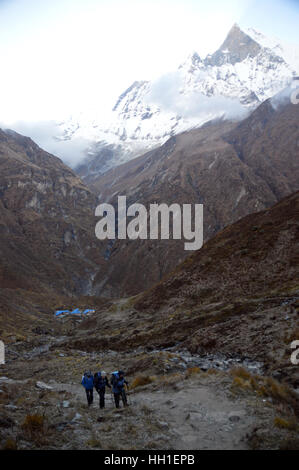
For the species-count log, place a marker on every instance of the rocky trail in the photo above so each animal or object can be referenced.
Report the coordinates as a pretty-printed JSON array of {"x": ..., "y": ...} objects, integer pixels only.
[
  {"x": 177, "y": 399},
  {"x": 184, "y": 407},
  {"x": 189, "y": 416},
  {"x": 200, "y": 418}
]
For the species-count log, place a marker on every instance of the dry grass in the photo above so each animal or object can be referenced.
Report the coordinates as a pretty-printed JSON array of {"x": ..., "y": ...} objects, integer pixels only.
[
  {"x": 292, "y": 336},
  {"x": 93, "y": 442},
  {"x": 146, "y": 410},
  {"x": 246, "y": 384},
  {"x": 265, "y": 387},
  {"x": 34, "y": 427},
  {"x": 241, "y": 373},
  {"x": 169, "y": 381},
  {"x": 241, "y": 383},
  {"x": 214, "y": 372},
  {"x": 289, "y": 444},
  {"x": 276, "y": 390},
  {"x": 283, "y": 423},
  {"x": 142, "y": 380},
  {"x": 191, "y": 371},
  {"x": 113, "y": 308},
  {"x": 131, "y": 430},
  {"x": 10, "y": 444}
]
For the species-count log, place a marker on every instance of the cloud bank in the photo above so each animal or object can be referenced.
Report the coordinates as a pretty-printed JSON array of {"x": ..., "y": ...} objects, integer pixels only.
[
  {"x": 46, "y": 134},
  {"x": 166, "y": 94}
]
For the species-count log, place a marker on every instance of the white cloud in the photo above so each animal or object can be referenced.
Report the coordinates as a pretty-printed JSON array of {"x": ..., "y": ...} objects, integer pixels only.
[
  {"x": 42, "y": 133},
  {"x": 63, "y": 56},
  {"x": 165, "y": 93}
]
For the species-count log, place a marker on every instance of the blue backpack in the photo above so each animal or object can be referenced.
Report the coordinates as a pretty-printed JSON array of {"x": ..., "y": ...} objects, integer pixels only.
[{"x": 114, "y": 378}]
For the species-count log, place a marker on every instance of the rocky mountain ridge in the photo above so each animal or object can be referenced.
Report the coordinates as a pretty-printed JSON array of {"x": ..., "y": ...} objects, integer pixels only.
[{"x": 233, "y": 169}]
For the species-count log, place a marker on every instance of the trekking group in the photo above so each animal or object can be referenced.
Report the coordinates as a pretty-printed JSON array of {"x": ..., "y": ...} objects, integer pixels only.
[{"x": 100, "y": 381}]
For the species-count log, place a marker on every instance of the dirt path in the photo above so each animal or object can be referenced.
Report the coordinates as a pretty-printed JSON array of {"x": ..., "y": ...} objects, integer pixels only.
[
  {"x": 196, "y": 416},
  {"x": 200, "y": 419}
]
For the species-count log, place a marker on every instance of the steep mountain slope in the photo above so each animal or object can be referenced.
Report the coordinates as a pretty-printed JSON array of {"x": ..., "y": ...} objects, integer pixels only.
[
  {"x": 255, "y": 257},
  {"x": 207, "y": 354},
  {"x": 239, "y": 294},
  {"x": 231, "y": 169},
  {"x": 237, "y": 298},
  {"x": 247, "y": 69},
  {"x": 268, "y": 141},
  {"x": 48, "y": 247}
]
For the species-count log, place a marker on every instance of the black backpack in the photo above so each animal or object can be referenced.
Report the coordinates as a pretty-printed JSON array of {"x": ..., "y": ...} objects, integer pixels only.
[
  {"x": 99, "y": 381},
  {"x": 97, "y": 375}
]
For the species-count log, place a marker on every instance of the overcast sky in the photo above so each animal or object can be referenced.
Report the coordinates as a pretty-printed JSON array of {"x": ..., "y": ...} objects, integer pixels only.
[{"x": 65, "y": 56}]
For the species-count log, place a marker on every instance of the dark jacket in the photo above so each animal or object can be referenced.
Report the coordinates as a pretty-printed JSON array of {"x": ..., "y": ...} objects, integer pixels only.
[{"x": 100, "y": 383}]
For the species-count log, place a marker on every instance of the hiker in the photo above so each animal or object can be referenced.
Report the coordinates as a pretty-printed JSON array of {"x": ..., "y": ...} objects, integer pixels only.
[
  {"x": 100, "y": 383},
  {"x": 87, "y": 382},
  {"x": 118, "y": 388}
]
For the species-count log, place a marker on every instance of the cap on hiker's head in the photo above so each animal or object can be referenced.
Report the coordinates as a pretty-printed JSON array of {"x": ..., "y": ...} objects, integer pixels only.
[
  {"x": 121, "y": 372},
  {"x": 103, "y": 373}
]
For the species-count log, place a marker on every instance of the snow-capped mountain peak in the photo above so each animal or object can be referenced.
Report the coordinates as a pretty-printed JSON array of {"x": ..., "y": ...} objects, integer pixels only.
[
  {"x": 247, "y": 69},
  {"x": 237, "y": 47}
]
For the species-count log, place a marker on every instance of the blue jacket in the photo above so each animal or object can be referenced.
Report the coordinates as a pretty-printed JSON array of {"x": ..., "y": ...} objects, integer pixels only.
[{"x": 87, "y": 382}]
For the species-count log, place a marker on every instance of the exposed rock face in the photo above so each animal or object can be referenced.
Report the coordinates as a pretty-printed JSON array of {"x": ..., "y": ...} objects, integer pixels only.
[
  {"x": 47, "y": 224},
  {"x": 237, "y": 47},
  {"x": 231, "y": 169}
]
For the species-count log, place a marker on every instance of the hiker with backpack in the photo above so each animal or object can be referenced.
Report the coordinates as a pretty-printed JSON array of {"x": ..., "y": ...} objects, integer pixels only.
[
  {"x": 87, "y": 382},
  {"x": 118, "y": 388},
  {"x": 100, "y": 383}
]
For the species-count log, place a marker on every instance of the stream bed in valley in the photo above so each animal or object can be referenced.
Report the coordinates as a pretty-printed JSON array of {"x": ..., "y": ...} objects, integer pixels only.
[{"x": 184, "y": 359}]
